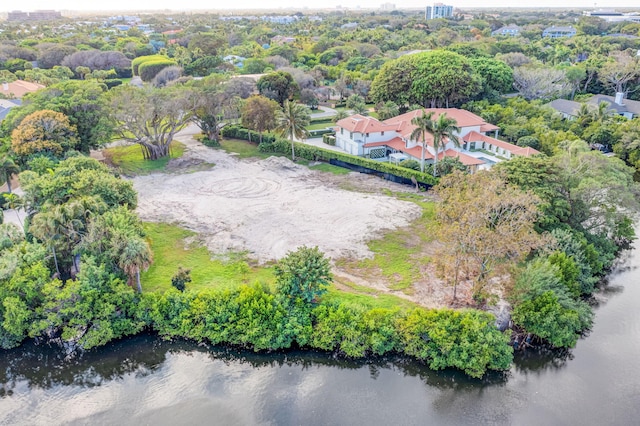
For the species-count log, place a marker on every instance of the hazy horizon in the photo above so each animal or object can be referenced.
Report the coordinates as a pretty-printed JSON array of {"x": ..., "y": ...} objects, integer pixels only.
[{"x": 291, "y": 5}]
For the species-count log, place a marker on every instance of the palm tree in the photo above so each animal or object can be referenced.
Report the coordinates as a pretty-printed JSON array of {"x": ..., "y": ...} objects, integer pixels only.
[
  {"x": 584, "y": 116},
  {"x": 291, "y": 122},
  {"x": 339, "y": 116},
  {"x": 134, "y": 255},
  {"x": 7, "y": 169},
  {"x": 601, "y": 113},
  {"x": 15, "y": 202},
  {"x": 387, "y": 110},
  {"x": 444, "y": 128},
  {"x": 49, "y": 226},
  {"x": 424, "y": 127}
]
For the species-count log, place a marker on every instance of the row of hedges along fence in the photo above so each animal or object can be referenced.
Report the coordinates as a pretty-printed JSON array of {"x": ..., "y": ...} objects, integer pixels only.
[{"x": 313, "y": 153}]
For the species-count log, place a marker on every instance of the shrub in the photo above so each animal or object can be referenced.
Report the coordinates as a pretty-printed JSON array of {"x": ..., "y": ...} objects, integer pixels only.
[
  {"x": 212, "y": 143},
  {"x": 135, "y": 64},
  {"x": 410, "y": 164},
  {"x": 149, "y": 69},
  {"x": 321, "y": 132},
  {"x": 181, "y": 278},
  {"x": 329, "y": 139},
  {"x": 313, "y": 153},
  {"x": 112, "y": 82}
]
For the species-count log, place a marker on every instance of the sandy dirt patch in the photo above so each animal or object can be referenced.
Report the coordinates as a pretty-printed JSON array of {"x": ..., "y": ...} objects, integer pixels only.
[{"x": 269, "y": 207}]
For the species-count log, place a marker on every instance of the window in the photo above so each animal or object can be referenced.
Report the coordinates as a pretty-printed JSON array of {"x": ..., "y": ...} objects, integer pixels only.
[
  {"x": 351, "y": 135},
  {"x": 366, "y": 135},
  {"x": 381, "y": 133},
  {"x": 341, "y": 131}
]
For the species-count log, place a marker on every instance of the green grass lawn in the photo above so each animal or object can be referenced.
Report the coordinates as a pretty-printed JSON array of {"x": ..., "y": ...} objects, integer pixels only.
[
  {"x": 318, "y": 126},
  {"x": 243, "y": 149},
  {"x": 130, "y": 161},
  {"x": 367, "y": 297},
  {"x": 399, "y": 253},
  {"x": 326, "y": 167},
  {"x": 170, "y": 251}
]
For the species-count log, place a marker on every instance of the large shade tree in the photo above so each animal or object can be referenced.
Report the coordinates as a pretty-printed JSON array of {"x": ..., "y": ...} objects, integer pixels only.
[
  {"x": 259, "y": 114},
  {"x": 215, "y": 107},
  {"x": 430, "y": 79},
  {"x": 483, "y": 221},
  {"x": 278, "y": 86},
  {"x": 151, "y": 117},
  {"x": 44, "y": 132},
  {"x": 82, "y": 102}
]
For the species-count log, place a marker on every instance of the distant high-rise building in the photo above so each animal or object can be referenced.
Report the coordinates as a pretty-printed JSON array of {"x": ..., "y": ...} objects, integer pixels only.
[
  {"x": 438, "y": 10},
  {"x": 388, "y": 6},
  {"x": 38, "y": 15},
  {"x": 17, "y": 16}
]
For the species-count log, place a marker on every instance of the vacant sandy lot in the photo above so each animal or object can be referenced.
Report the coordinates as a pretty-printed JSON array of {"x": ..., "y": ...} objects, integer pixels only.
[{"x": 268, "y": 207}]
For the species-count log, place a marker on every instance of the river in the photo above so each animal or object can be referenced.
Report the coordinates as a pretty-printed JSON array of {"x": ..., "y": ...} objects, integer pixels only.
[{"x": 146, "y": 381}]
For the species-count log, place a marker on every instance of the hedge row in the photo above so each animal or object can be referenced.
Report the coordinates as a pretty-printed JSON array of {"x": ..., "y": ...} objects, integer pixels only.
[
  {"x": 142, "y": 59},
  {"x": 253, "y": 317},
  {"x": 314, "y": 153},
  {"x": 148, "y": 70},
  {"x": 283, "y": 146},
  {"x": 322, "y": 120},
  {"x": 329, "y": 139},
  {"x": 238, "y": 132},
  {"x": 320, "y": 132}
]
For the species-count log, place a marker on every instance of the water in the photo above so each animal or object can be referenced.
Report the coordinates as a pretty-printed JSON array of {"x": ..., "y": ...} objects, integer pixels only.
[{"x": 145, "y": 381}]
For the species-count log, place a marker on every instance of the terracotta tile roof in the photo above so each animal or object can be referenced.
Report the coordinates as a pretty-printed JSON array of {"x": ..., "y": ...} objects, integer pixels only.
[
  {"x": 360, "y": 124},
  {"x": 488, "y": 127},
  {"x": 514, "y": 149},
  {"x": 403, "y": 126},
  {"x": 465, "y": 159},
  {"x": 19, "y": 88},
  {"x": 399, "y": 145}
]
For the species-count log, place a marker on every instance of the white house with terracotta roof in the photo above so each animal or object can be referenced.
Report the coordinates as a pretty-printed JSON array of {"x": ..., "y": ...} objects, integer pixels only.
[{"x": 390, "y": 140}]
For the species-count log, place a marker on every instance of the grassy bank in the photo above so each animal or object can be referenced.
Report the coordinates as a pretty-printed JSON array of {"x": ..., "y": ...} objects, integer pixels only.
[
  {"x": 171, "y": 250},
  {"x": 399, "y": 254},
  {"x": 173, "y": 247},
  {"x": 130, "y": 161}
]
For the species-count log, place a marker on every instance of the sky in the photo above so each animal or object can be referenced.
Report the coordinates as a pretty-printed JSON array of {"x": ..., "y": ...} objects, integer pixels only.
[{"x": 28, "y": 5}]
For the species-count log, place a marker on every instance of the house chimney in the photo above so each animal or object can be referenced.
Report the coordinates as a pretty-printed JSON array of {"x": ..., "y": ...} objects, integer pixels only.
[
  {"x": 619, "y": 98},
  {"x": 5, "y": 86}
]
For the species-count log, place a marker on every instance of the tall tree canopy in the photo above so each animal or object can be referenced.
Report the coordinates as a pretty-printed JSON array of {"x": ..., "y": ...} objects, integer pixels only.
[
  {"x": 430, "y": 79},
  {"x": 151, "y": 117},
  {"x": 278, "y": 86},
  {"x": 44, "y": 132},
  {"x": 82, "y": 102},
  {"x": 483, "y": 221}
]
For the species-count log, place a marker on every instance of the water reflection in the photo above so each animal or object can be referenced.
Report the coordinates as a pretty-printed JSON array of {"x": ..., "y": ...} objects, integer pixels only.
[{"x": 45, "y": 366}]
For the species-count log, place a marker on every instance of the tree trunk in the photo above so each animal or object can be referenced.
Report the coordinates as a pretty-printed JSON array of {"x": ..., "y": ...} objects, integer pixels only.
[
  {"x": 293, "y": 151},
  {"x": 435, "y": 161},
  {"x": 55, "y": 259},
  {"x": 9, "y": 183},
  {"x": 76, "y": 263},
  {"x": 422, "y": 156},
  {"x": 138, "y": 280},
  {"x": 155, "y": 152}
]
